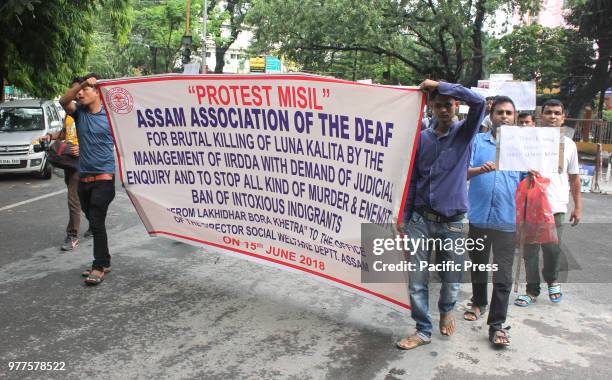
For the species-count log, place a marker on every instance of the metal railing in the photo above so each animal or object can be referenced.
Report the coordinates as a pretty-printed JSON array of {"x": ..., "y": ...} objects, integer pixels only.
[{"x": 591, "y": 130}]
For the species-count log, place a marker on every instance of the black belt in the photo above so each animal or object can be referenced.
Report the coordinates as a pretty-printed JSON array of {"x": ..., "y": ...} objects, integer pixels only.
[{"x": 433, "y": 216}]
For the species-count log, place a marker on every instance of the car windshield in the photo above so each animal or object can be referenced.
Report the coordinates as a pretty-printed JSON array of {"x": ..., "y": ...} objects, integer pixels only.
[{"x": 21, "y": 119}]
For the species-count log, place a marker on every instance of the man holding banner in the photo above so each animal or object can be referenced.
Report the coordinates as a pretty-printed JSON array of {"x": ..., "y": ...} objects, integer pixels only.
[
  {"x": 96, "y": 167},
  {"x": 492, "y": 218},
  {"x": 557, "y": 193},
  {"x": 437, "y": 202}
]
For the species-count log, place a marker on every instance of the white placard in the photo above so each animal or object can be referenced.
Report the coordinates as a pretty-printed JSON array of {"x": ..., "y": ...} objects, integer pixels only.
[
  {"x": 501, "y": 77},
  {"x": 483, "y": 83},
  {"x": 191, "y": 68},
  {"x": 485, "y": 92},
  {"x": 523, "y": 94},
  {"x": 529, "y": 148}
]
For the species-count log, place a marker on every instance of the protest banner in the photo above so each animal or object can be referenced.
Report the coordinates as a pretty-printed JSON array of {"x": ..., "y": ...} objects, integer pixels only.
[
  {"x": 278, "y": 169},
  {"x": 529, "y": 148}
]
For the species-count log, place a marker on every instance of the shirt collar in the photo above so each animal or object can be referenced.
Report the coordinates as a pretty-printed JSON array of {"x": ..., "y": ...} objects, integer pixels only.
[
  {"x": 489, "y": 136},
  {"x": 434, "y": 124}
]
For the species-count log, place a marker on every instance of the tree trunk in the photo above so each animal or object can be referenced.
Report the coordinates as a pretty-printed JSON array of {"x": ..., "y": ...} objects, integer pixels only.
[
  {"x": 602, "y": 100},
  {"x": 220, "y": 58},
  {"x": 154, "y": 59},
  {"x": 2, "y": 86},
  {"x": 600, "y": 80},
  {"x": 478, "y": 56},
  {"x": 354, "y": 64}
]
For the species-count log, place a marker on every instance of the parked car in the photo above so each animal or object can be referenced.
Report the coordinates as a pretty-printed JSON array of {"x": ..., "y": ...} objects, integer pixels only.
[
  {"x": 60, "y": 110},
  {"x": 22, "y": 122}
]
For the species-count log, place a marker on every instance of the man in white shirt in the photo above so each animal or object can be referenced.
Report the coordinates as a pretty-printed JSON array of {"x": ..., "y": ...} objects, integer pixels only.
[
  {"x": 558, "y": 196},
  {"x": 487, "y": 123}
]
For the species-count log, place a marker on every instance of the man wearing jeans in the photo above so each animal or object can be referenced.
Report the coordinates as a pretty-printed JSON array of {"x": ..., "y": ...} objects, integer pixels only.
[
  {"x": 557, "y": 193},
  {"x": 437, "y": 203},
  {"x": 492, "y": 218},
  {"x": 96, "y": 167}
]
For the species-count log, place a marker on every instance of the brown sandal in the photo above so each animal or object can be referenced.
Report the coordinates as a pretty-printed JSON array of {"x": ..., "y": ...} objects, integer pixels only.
[
  {"x": 413, "y": 341},
  {"x": 502, "y": 336},
  {"x": 87, "y": 272},
  {"x": 94, "y": 279}
]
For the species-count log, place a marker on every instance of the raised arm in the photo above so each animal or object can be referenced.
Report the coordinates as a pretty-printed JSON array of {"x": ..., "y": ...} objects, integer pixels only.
[
  {"x": 67, "y": 100},
  {"x": 475, "y": 101}
]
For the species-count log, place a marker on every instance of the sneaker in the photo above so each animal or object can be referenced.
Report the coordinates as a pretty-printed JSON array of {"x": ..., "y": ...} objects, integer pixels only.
[
  {"x": 70, "y": 244},
  {"x": 88, "y": 233}
]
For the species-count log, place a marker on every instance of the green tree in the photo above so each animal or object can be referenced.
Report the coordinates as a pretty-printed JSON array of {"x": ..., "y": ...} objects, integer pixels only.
[
  {"x": 44, "y": 43},
  {"x": 593, "y": 74},
  {"x": 155, "y": 42},
  {"x": 538, "y": 53},
  {"x": 153, "y": 45},
  {"x": 160, "y": 28},
  {"x": 232, "y": 17},
  {"x": 442, "y": 39}
]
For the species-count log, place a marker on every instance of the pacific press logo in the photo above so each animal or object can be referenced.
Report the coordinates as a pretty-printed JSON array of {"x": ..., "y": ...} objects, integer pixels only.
[{"x": 120, "y": 100}]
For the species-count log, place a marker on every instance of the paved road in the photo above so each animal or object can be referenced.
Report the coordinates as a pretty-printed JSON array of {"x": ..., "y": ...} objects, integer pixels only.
[{"x": 170, "y": 310}]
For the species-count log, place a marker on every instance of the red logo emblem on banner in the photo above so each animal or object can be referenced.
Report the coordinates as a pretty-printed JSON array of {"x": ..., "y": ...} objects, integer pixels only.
[{"x": 119, "y": 100}]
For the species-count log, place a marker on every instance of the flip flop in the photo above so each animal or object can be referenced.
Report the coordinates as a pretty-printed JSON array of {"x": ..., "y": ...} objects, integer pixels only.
[
  {"x": 477, "y": 314},
  {"x": 526, "y": 300},
  {"x": 87, "y": 272},
  {"x": 411, "y": 342},
  {"x": 503, "y": 333},
  {"x": 94, "y": 279},
  {"x": 554, "y": 289}
]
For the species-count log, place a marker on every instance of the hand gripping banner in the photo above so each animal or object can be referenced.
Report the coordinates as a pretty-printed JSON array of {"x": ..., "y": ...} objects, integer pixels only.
[{"x": 278, "y": 169}]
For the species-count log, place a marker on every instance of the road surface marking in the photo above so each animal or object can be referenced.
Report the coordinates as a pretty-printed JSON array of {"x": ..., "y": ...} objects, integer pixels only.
[{"x": 32, "y": 200}]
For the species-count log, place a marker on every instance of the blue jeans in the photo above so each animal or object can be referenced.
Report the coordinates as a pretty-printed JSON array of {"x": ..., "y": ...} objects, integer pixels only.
[{"x": 418, "y": 227}]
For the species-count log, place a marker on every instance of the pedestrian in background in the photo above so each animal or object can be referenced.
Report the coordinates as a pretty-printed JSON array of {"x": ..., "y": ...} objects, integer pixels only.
[
  {"x": 486, "y": 122},
  {"x": 557, "y": 192},
  {"x": 492, "y": 217},
  {"x": 526, "y": 119},
  {"x": 71, "y": 179}
]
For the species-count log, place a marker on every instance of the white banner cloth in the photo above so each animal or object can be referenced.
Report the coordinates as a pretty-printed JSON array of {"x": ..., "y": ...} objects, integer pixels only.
[{"x": 279, "y": 169}]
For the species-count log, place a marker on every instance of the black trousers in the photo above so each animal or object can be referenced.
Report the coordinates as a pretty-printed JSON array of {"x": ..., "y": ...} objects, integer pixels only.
[
  {"x": 503, "y": 244},
  {"x": 551, "y": 257},
  {"x": 95, "y": 198}
]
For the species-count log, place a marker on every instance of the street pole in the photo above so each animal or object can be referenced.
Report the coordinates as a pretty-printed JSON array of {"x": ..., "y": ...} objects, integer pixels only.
[
  {"x": 187, "y": 18},
  {"x": 205, "y": 20}
]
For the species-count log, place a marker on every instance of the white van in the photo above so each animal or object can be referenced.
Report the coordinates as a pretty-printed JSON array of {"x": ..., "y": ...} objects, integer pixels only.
[{"x": 22, "y": 122}]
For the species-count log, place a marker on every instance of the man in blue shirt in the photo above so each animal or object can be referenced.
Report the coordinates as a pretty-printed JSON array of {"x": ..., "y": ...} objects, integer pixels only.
[
  {"x": 492, "y": 218},
  {"x": 437, "y": 202},
  {"x": 96, "y": 167}
]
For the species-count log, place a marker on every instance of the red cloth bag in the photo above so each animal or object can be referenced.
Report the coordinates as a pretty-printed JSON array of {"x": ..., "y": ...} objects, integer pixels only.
[{"x": 534, "y": 216}]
